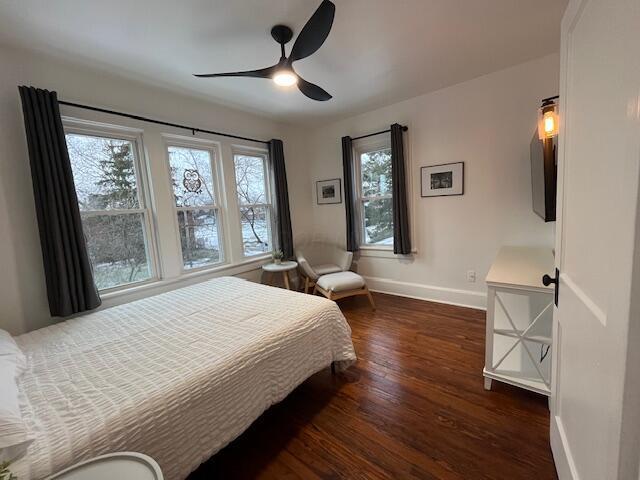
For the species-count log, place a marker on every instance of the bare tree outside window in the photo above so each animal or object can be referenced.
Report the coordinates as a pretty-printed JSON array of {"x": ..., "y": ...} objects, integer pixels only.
[
  {"x": 192, "y": 180},
  {"x": 254, "y": 203}
]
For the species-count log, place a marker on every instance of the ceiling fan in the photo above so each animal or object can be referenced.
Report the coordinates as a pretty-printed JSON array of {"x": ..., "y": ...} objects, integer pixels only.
[{"x": 310, "y": 39}]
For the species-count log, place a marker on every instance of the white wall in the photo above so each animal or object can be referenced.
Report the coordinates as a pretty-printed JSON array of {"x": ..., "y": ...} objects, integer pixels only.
[
  {"x": 23, "y": 303},
  {"x": 487, "y": 123}
]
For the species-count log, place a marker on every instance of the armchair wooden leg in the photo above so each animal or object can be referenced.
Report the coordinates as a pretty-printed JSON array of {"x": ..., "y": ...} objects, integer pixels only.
[
  {"x": 306, "y": 284},
  {"x": 370, "y": 297}
]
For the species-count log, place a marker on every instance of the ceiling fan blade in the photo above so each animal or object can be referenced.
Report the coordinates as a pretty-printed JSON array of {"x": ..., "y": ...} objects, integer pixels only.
[
  {"x": 312, "y": 91},
  {"x": 314, "y": 33},
  {"x": 260, "y": 73}
]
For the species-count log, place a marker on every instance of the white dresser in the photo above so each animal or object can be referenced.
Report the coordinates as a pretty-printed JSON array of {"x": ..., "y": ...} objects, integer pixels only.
[{"x": 520, "y": 319}]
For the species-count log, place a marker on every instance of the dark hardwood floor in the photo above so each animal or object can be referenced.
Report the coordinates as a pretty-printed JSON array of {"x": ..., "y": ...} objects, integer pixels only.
[{"x": 413, "y": 406}]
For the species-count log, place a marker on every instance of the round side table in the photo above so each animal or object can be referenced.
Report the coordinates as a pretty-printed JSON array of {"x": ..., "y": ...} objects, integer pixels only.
[
  {"x": 124, "y": 465},
  {"x": 283, "y": 267}
]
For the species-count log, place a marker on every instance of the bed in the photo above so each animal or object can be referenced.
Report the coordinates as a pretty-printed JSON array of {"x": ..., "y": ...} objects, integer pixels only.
[{"x": 176, "y": 376}]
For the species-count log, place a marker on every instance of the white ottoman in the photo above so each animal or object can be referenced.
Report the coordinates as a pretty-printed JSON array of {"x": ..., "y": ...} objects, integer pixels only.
[{"x": 339, "y": 285}]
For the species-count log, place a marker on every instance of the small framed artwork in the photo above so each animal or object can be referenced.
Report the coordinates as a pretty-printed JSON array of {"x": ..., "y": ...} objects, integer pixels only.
[
  {"x": 442, "y": 180},
  {"x": 329, "y": 191}
]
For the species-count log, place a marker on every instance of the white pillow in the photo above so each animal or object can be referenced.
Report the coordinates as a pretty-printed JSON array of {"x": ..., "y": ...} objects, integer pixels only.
[
  {"x": 10, "y": 351},
  {"x": 14, "y": 436}
]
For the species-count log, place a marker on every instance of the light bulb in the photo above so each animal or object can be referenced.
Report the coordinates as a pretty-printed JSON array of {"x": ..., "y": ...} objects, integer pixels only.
[
  {"x": 549, "y": 123},
  {"x": 285, "y": 78}
]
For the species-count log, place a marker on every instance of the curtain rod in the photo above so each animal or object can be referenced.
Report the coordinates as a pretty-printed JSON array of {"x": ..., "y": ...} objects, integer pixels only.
[
  {"x": 404, "y": 129},
  {"x": 159, "y": 122}
]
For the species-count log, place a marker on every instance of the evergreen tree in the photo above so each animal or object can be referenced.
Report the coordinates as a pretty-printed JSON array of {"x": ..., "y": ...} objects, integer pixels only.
[
  {"x": 118, "y": 177},
  {"x": 117, "y": 240},
  {"x": 376, "y": 180}
]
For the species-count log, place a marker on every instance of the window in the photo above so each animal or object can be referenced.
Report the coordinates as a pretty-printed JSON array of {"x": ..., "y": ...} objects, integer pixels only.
[
  {"x": 193, "y": 180},
  {"x": 254, "y": 201},
  {"x": 373, "y": 174},
  {"x": 113, "y": 206}
]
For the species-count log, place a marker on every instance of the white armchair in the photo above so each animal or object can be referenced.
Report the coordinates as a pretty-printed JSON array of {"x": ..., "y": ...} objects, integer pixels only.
[{"x": 319, "y": 259}]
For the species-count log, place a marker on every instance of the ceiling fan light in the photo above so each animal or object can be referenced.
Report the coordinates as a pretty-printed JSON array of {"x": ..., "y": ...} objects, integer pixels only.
[{"x": 285, "y": 78}]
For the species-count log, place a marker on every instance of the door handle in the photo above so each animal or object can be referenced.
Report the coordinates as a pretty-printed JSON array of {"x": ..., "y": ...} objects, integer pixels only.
[{"x": 547, "y": 280}]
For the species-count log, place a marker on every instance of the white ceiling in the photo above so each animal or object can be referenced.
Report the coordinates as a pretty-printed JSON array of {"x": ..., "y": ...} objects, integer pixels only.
[{"x": 379, "y": 51}]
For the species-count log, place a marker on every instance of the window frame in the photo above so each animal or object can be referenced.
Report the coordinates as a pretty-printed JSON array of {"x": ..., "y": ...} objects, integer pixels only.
[
  {"x": 76, "y": 126},
  {"x": 215, "y": 161},
  {"x": 243, "y": 150},
  {"x": 361, "y": 148}
]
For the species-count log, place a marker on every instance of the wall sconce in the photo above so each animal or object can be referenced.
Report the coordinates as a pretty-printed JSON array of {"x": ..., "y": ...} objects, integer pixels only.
[{"x": 548, "y": 121}]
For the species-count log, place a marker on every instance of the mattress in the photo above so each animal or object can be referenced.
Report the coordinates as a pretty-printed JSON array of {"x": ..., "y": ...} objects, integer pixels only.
[{"x": 176, "y": 376}]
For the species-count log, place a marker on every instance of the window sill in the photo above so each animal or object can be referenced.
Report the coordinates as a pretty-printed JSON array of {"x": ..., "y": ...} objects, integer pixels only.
[
  {"x": 221, "y": 267},
  {"x": 382, "y": 252},
  {"x": 376, "y": 247},
  {"x": 128, "y": 287},
  {"x": 153, "y": 287}
]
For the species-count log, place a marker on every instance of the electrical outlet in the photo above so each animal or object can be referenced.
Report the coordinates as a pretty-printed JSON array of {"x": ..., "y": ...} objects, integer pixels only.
[{"x": 471, "y": 276}]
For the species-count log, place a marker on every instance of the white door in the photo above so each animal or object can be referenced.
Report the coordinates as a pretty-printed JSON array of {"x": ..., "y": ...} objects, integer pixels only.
[{"x": 595, "y": 233}]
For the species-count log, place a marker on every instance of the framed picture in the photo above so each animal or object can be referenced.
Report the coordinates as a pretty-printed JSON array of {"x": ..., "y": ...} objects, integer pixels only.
[
  {"x": 329, "y": 191},
  {"x": 442, "y": 180}
]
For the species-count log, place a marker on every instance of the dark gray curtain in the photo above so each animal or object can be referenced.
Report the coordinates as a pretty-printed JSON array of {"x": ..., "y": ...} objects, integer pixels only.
[
  {"x": 401, "y": 237},
  {"x": 283, "y": 215},
  {"x": 349, "y": 200},
  {"x": 70, "y": 285}
]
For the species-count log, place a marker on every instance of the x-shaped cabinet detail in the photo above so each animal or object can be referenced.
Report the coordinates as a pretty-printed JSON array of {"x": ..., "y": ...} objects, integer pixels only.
[{"x": 517, "y": 321}]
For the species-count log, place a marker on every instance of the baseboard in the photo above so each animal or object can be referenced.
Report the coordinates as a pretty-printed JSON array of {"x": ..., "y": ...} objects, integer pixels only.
[
  {"x": 565, "y": 466},
  {"x": 432, "y": 293}
]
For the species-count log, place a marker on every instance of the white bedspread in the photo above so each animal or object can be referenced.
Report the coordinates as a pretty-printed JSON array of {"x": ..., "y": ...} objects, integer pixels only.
[{"x": 176, "y": 376}]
